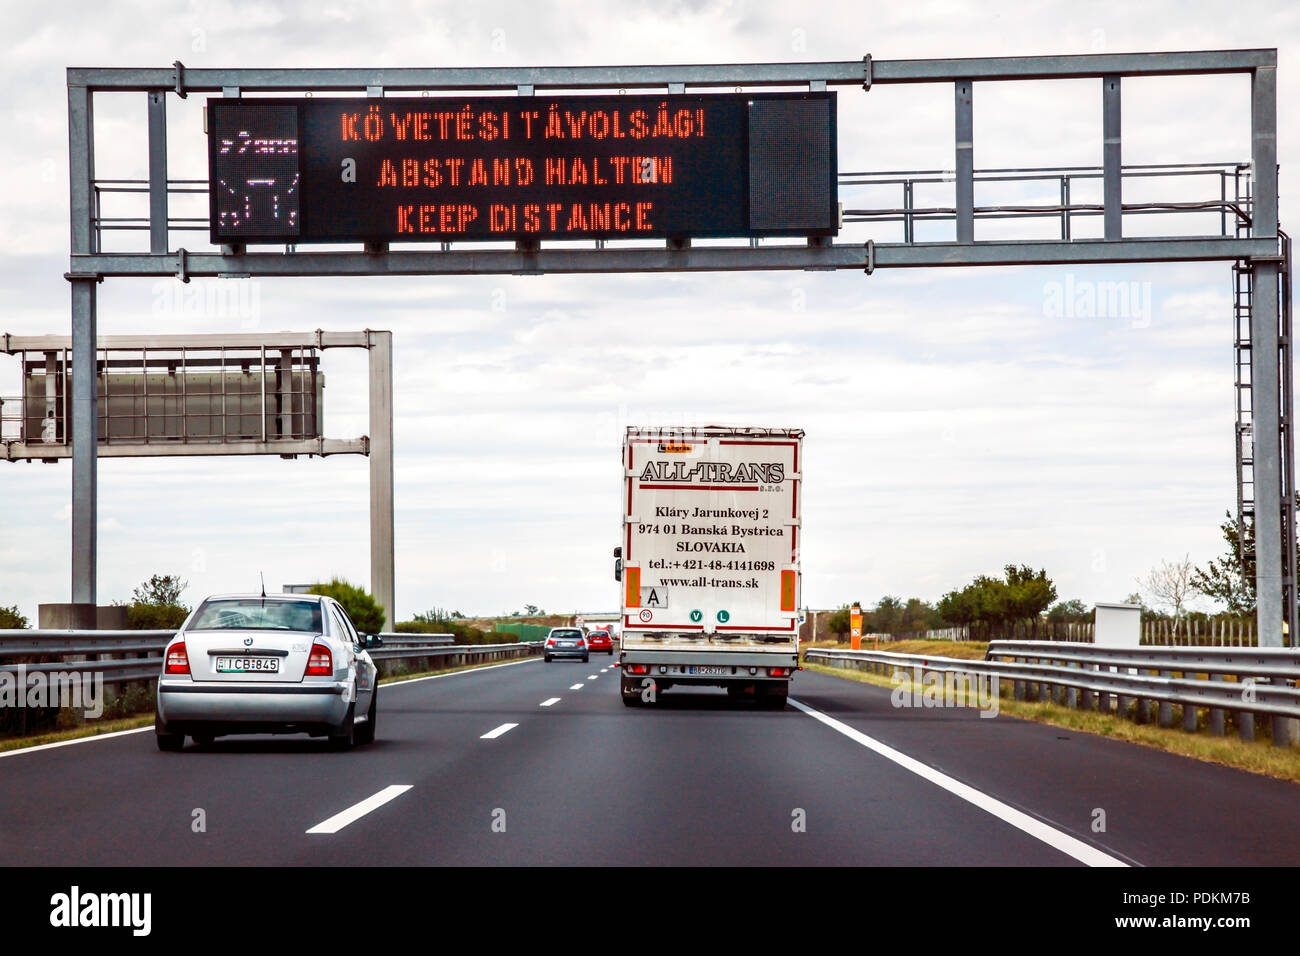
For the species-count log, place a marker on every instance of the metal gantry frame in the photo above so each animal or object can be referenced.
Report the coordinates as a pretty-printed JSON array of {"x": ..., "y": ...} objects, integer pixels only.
[
  {"x": 1256, "y": 248},
  {"x": 279, "y": 415}
]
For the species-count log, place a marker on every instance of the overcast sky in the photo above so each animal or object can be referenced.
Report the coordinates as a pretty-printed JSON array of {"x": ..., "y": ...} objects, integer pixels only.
[{"x": 956, "y": 420}]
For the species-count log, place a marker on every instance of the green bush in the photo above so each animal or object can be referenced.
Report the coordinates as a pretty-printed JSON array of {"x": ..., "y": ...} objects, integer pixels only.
[
  {"x": 12, "y": 618},
  {"x": 155, "y": 617},
  {"x": 463, "y": 633},
  {"x": 367, "y": 616}
]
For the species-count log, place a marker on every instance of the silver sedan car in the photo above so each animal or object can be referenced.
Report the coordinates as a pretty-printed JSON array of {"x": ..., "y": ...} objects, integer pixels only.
[
  {"x": 249, "y": 664},
  {"x": 565, "y": 642}
]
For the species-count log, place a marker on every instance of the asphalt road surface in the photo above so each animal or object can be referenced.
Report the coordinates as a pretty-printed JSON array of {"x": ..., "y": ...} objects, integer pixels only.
[{"x": 533, "y": 763}]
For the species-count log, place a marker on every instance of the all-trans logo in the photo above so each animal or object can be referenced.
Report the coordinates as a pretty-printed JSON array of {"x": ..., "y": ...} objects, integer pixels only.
[{"x": 714, "y": 472}]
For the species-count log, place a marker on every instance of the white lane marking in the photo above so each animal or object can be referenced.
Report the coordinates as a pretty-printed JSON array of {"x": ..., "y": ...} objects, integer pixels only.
[
  {"x": 1057, "y": 839},
  {"x": 470, "y": 670},
  {"x": 355, "y": 812},
  {"x": 494, "y": 734},
  {"x": 549, "y": 701},
  {"x": 592, "y": 676},
  {"x": 575, "y": 687},
  {"x": 68, "y": 743}
]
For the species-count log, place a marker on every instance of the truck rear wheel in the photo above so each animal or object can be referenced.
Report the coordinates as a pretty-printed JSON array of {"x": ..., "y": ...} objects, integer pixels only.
[{"x": 773, "y": 698}]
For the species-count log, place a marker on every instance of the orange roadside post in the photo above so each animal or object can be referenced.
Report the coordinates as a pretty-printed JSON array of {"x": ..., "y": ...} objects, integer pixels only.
[{"x": 855, "y": 628}]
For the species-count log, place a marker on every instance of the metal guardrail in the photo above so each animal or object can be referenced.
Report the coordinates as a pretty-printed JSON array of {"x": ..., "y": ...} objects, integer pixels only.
[
  {"x": 88, "y": 652},
  {"x": 1263, "y": 680}
]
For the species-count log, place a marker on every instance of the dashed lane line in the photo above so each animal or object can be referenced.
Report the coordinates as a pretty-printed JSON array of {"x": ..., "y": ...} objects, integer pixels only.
[{"x": 358, "y": 810}]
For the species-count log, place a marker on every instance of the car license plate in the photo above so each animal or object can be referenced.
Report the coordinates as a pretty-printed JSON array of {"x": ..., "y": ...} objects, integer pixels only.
[
  {"x": 708, "y": 670},
  {"x": 248, "y": 665}
]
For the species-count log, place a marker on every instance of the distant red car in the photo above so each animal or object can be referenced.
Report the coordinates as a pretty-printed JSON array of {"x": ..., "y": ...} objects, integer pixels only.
[{"x": 600, "y": 641}]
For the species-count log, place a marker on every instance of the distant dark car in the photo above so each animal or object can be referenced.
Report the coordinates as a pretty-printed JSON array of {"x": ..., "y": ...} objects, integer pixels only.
[
  {"x": 565, "y": 642},
  {"x": 600, "y": 641}
]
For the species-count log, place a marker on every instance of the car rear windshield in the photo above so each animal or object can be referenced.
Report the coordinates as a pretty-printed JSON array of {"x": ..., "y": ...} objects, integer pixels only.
[
  {"x": 257, "y": 615},
  {"x": 566, "y": 634}
]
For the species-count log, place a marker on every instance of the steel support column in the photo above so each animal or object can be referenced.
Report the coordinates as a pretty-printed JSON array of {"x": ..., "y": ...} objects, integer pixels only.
[
  {"x": 83, "y": 398},
  {"x": 965, "y": 159},
  {"x": 381, "y": 472},
  {"x": 84, "y": 428},
  {"x": 1265, "y": 372},
  {"x": 157, "y": 171},
  {"x": 1112, "y": 195}
]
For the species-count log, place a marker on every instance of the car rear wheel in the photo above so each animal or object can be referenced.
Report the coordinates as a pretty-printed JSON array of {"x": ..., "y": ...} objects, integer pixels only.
[
  {"x": 365, "y": 734},
  {"x": 167, "y": 741},
  {"x": 346, "y": 735},
  {"x": 585, "y": 658},
  {"x": 204, "y": 740},
  {"x": 547, "y": 658}
]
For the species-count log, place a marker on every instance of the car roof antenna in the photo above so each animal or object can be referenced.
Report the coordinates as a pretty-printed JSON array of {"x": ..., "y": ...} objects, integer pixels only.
[{"x": 263, "y": 577}]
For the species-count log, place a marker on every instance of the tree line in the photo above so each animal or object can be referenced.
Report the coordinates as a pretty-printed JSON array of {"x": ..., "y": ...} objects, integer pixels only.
[{"x": 1023, "y": 598}]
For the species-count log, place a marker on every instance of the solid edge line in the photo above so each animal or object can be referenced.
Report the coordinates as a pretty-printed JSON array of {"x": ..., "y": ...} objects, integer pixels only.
[
  {"x": 358, "y": 810},
  {"x": 496, "y": 732},
  {"x": 1057, "y": 839},
  {"x": 75, "y": 740}
]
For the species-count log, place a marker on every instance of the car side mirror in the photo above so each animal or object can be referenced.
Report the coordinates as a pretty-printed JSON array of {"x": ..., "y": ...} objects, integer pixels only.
[
  {"x": 618, "y": 563},
  {"x": 372, "y": 640}
]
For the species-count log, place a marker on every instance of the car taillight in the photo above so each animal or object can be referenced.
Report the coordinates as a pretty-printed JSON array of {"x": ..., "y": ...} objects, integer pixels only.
[
  {"x": 551, "y": 642},
  {"x": 636, "y": 668},
  {"x": 320, "y": 664},
  {"x": 178, "y": 662},
  {"x": 778, "y": 672}
]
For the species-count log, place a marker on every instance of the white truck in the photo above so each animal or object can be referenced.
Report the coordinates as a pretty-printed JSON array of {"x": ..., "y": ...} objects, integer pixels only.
[{"x": 709, "y": 561}]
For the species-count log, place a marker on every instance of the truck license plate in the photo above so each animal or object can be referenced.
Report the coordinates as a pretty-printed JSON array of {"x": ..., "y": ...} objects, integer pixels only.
[{"x": 709, "y": 670}]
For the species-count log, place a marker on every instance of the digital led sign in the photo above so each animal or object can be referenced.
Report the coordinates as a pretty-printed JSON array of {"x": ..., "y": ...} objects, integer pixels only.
[{"x": 518, "y": 168}]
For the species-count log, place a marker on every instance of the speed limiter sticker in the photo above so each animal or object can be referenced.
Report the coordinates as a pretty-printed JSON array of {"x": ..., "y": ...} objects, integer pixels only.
[{"x": 645, "y": 615}]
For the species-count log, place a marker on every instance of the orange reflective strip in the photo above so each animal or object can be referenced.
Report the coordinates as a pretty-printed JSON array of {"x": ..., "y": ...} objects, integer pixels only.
[
  {"x": 787, "y": 590},
  {"x": 633, "y": 578}
]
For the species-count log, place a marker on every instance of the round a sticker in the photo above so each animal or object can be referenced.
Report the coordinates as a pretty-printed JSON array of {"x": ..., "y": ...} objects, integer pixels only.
[
  {"x": 723, "y": 617},
  {"x": 646, "y": 615},
  {"x": 697, "y": 616}
]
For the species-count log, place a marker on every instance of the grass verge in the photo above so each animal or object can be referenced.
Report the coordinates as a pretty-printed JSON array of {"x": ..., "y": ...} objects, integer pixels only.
[
  {"x": 964, "y": 650},
  {"x": 88, "y": 730},
  {"x": 1259, "y": 756}
]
